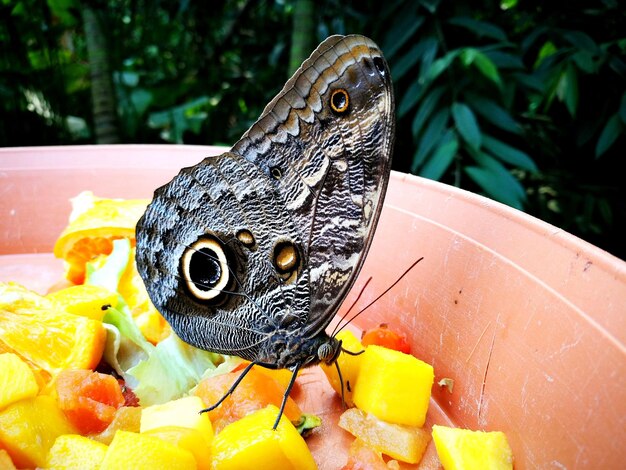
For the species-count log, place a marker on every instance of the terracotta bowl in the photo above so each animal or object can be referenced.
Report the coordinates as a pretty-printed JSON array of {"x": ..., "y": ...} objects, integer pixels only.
[{"x": 529, "y": 321}]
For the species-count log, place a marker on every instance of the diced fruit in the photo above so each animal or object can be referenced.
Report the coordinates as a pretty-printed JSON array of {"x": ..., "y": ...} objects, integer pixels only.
[
  {"x": 348, "y": 364},
  {"x": 393, "y": 386},
  {"x": 29, "y": 427},
  {"x": 282, "y": 376},
  {"x": 5, "y": 461},
  {"x": 89, "y": 399},
  {"x": 252, "y": 441},
  {"x": 144, "y": 452},
  {"x": 84, "y": 300},
  {"x": 48, "y": 338},
  {"x": 150, "y": 322},
  {"x": 186, "y": 438},
  {"x": 383, "y": 336},
  {"x": 72, "y": 451},
  {"x": 405, "y": 443},
  {"x": 256, "y": 391},
  {"x": 363, "y": 457},
  {"x": 184, "y": 412},
  {"x": 93, "y": 227},
  {"x": 127, "y": 418},
  {"x": 17, "y": 380},
  {"x": 462, "y": 449}
]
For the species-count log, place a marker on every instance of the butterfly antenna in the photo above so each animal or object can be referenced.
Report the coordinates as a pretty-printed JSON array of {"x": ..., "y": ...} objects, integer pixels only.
[
  {"x": 231, "y": 389},
  {"x": 292, "y": 381},
  {"x": 382, "y": 294},
  {"x": 351, "y": 307}
]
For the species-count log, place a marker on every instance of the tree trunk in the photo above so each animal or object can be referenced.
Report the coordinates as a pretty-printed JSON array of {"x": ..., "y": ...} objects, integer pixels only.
[
  {"x": 302, "y": 37},
  {"x": 102, "y": 94}
]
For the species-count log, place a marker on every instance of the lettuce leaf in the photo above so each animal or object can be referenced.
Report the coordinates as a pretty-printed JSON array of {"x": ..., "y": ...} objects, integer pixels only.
[{"x": 156, "y": 374}]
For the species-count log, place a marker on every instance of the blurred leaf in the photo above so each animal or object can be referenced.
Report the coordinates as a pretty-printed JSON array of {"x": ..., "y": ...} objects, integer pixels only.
[
  {"x": 430, "y": 5},
  {"x": 426, "y": 109},
  {"x": 407, "y": 61},
  {"x": 507, "y": 4},
  {"x": 440, "y": 161},
  {"x": 548, "y": 49},
  {"x": 612, "y": 130},
  {"x": 440, "y": 65},
  {"x": 493, "y": 113},
  {"x": 141, "y": 100},
  {"x": 567, "y": 89},
  {"x": 466, "y": 124},
  {"x": 580, "y": 40},
  {"x": 411, "y": 96},
  {"x": 508, "y": 154},
  {"x": 622, "y": 109},
  {"x": 471, "y": 56},
  {"x": 480, "y": 28},
  {"x": 175, "y": 121},
  {"x": 431, "y": 136},
  {"x": 63, "y": 9},
  {"x": 585, "y": 61},
  {"x": 424, "y": 51},
  {"x": 404, "y": 30},
  {"x": 496, "y": 180},
  {"x": 504, "y": 60},
  {"x": 530, "y": 81}
]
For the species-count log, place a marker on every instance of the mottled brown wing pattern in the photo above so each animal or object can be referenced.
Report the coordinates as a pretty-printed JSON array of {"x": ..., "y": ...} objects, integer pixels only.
[{"x": 251, "y": 253}]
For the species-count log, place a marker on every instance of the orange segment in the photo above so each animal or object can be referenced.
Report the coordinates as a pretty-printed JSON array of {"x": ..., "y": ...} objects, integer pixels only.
[
  {"x": 46, "y": 337},
  {"x": 256, "y": 391},
  {"x": 94, "y": 224},
  {"x": 84, "y": 300}
]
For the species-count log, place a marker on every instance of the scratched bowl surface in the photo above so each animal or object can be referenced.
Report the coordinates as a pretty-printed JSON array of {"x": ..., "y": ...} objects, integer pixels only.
[{"x": 529, "y": 321}]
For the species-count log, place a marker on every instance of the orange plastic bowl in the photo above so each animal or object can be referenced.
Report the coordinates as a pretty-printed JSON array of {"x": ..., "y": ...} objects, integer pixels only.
[{"x": 528, "y": 320}]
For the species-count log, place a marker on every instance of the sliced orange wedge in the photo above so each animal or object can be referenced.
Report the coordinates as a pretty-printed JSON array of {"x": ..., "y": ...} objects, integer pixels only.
[
  {"x": 48, "y": 338},
  {"x": 94, "y": 224}
]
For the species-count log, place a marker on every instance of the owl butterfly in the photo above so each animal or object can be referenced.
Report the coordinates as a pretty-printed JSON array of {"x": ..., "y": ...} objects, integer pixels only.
[{"x": 252, "y": 252}]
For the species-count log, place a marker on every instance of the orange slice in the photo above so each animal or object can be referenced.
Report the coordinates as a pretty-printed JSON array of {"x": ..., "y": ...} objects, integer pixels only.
[
  {"x": 46, "y": 337},
  {"x": 94, "y": 224}
]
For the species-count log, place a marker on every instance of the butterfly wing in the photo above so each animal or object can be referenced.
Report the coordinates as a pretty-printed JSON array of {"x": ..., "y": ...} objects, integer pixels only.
[
  {"x": 269, "y": 237},
  {"x": 330, "y": 166}
]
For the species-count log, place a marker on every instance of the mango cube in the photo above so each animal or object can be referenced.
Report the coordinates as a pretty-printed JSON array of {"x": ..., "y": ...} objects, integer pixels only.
[
  {"x": 5, "y": 461},
  {"x": 28, "y": 429},
  {"x": 144, "y": 452},
  {"x": 184, "y": 412},
  {"x": 348, "y": 364},
  {"x": 252, "y": 443},
  {"x": 405, "y": 443},
  {"x": 462, "y": 449},
  {"x": 17, "y": 380},
  {"x": 186, "y": 438},
  {"x": 393, "y": 386},
  {"x": 72, "y": 451}
]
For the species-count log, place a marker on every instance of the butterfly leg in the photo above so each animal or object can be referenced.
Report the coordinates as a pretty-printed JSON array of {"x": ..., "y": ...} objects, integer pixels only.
[
  {"x": 231, "y": 389},
  {"x": 294, "y": 374}
]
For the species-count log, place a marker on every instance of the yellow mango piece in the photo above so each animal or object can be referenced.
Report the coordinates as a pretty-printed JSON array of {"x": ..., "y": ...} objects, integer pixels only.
[
  {"x": 188, "y": 439},
  {"x": 84, "y": 300},
  {"x": 127, "y": 418},
  {"x": 5, "y": 461},
  {"x": 28, "y": 429},
  {"x": 17, "y": 380},
  {"x": 144, "y": 452},
  {"x": 151, "y": 324},
  {"x": 184, "y": 412},
  {"x": 252, "y": 443},
  {"x": 348, "y": 364},
  {"x": 462, "y": 449},
  {"x": 405, "y": 443},
  {"x": 72, "y": 451},
  {"x": 393, "y": 386}
]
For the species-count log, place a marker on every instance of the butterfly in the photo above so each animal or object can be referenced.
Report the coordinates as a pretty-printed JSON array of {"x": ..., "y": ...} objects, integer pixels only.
[{"x": 251, "y": 253}]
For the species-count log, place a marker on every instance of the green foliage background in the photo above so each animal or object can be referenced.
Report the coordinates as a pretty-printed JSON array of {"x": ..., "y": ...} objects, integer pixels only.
[{"x": 523, "y": 101}]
